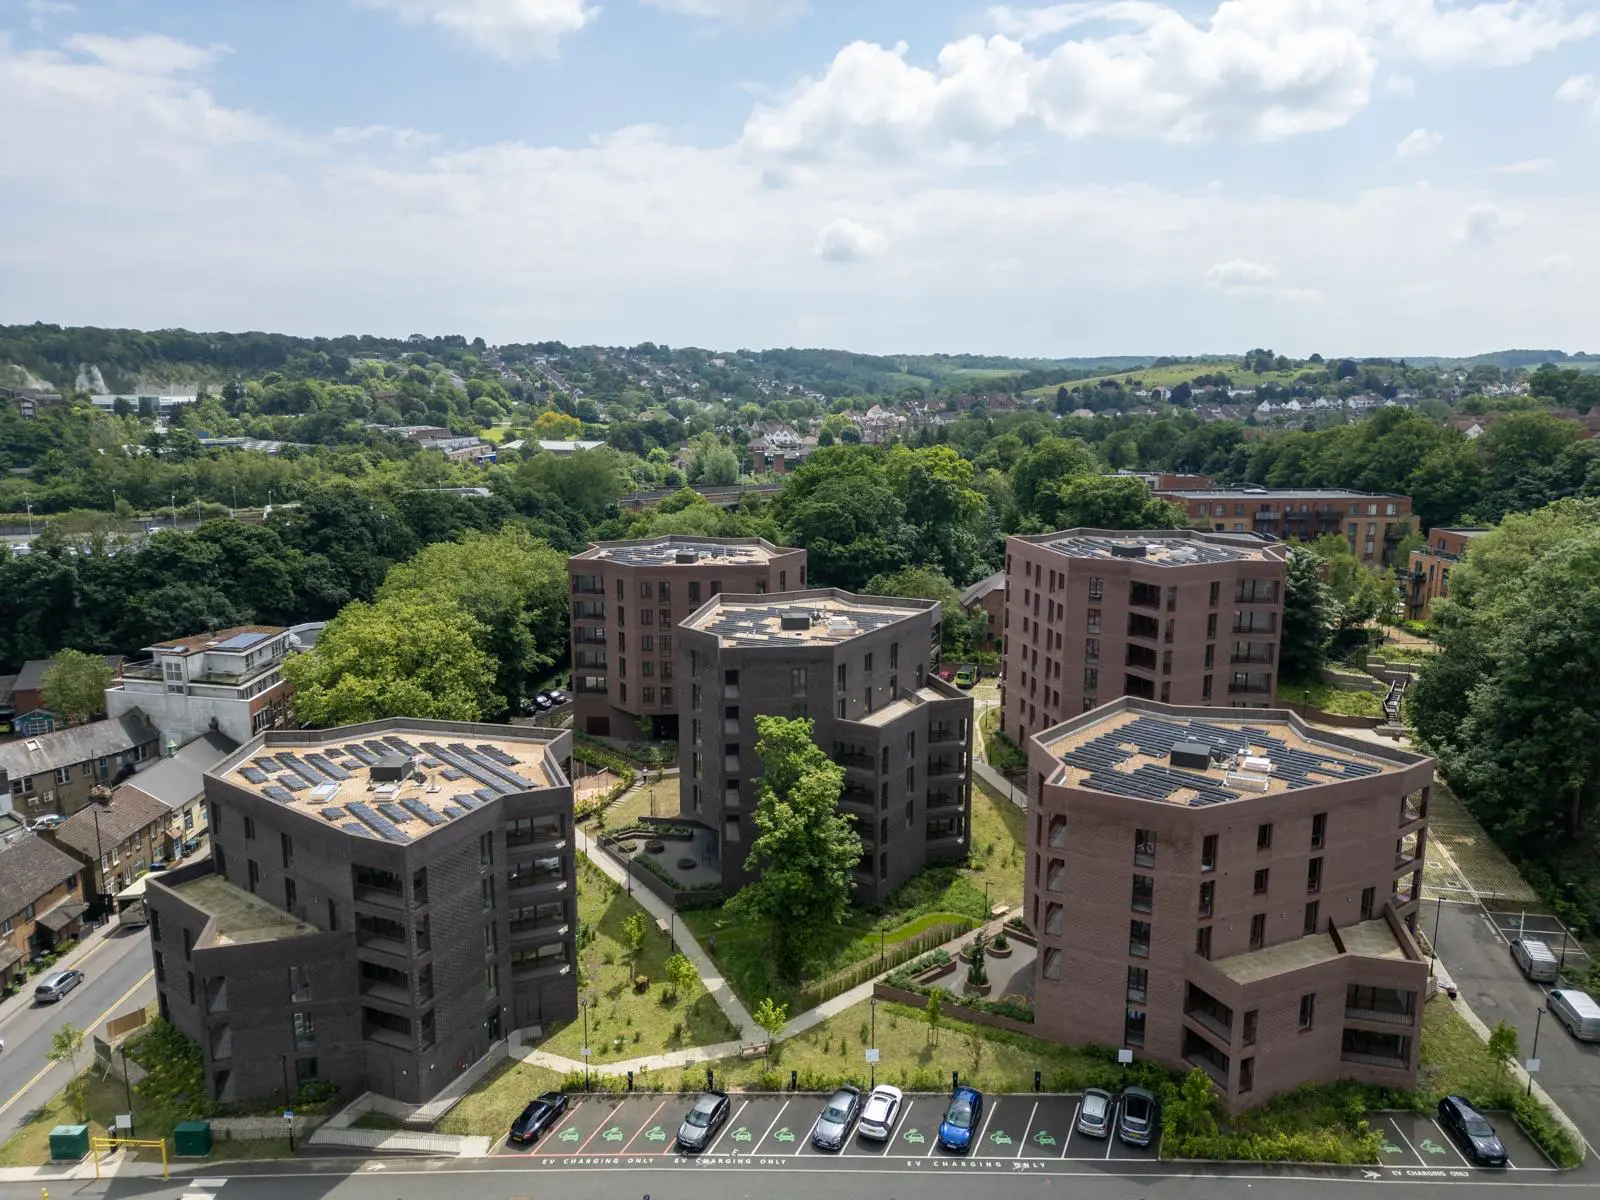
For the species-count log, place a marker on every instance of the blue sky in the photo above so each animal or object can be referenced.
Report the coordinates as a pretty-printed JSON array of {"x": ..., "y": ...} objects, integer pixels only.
[{"x": 1127, "y": 176}]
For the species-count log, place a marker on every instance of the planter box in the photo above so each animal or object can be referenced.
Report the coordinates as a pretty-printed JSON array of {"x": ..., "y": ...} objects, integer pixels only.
[
  {"x": 1005, "y": 951},
  {"x": 955, "y": 1010},
  {"x": 934, "y": 974},
  {"x": 976, "y": 989}
]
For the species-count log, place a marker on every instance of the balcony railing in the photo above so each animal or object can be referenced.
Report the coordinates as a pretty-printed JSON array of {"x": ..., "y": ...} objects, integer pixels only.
[
  {"x": 1410, "y": 813},
  {"x": 939, "y": 734},
  {"x": 1249, "y": 689},
  {"x": 378, "y": 897},
  {"x": 1218, "y": 1073},
  {"x": 858, "y": 800},
  {"x": 863, "y": 761},
  {"x": 938, "y": 768},
  {"x": 1388, "y": 1015},
  {"x": 539, "y": 930},
  {"x": 942, "y": 800},
  {"x": 1262, "y": 656},
  {"x": 1393, "y": 1062},
  {"x": 1255, "y": 628},
  {"x": 1209, "y": 1022},
  {"x": 388, "y": 1037}
]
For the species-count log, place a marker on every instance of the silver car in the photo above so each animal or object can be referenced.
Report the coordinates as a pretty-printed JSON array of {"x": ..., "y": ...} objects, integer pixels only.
[
  {"x": 56, "y": 985},
  {"x": 881, "y": 1112},
  {"x": 1099, "y": 1108}
]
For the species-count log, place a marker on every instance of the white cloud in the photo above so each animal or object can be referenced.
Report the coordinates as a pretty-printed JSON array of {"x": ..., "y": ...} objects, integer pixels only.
[
  {"x": 150, "y": 54},
  {"x": 1581, "y": 89},
  {"x": 758, "y": 13},
  {"x": 847, "y": 241},
  {"x": 1417, "y": 143},
  {"x": 1486, "y": 223},
  {"x": 509, "y": 29},
  {"x": 1400, "y": 85},
  {"x": 41, "y": 11},
  {"x": 1556, "y": 264},
  {"x": 1239, "y": 272},
  {"x": 1528, "y": 166}
]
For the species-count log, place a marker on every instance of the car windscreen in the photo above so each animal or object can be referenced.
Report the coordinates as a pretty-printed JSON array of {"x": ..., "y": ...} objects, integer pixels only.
[
  {"x": 1136, "y": 1109},
  {"x": 1476, "y": 1126},
  {"x": 960, "y": 1115},
  {"x": 699, "y": 1117},
  {"x": 836, "y": 1115}
]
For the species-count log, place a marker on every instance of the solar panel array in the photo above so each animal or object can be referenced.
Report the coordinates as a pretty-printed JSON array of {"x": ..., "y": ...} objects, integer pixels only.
[
  {"x": 266, "y": 763},
  {"x": 395, "y": 813},
  {"x": 1175, "y": 551},
  {"x": 292, "y": 783},
  {"x": 241, "y": 641},
  {"x": 278, "y": 794},
  {"x": 421, "y": 811},
  {"x": 361, "y": 753},
  {"x": 760, "y": 624},
  {"x": 357, "y": 828},
  {"x": 333, "y": 813},
  {"x": 666, "y": 553},
  {"x": 1154, "y": 737},
  {"x": 254, "y": 774},
  {"x": 322, "y": 763},
  {"x": 385, "y": 828}
]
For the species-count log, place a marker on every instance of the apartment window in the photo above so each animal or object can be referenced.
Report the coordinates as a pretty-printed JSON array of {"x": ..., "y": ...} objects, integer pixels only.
[
  {"x": 286, "y": 843},
  {"x": 1211, "y": 627},
  {"x": 1258, "y": 931},
  {"x": 63, "y": 775},
  {"x": 220, "y": 857},
  {"x": 305, "y": 1031},
  {"x": 894, "y": 655},
  {"x": 1052, "y": 964},
  {"x": 1211, "y": 657},
  {"x": 253, "y": 872},
  {"x": 1091, "y": 650},
  {"x": 1133, "y": 1028},
  {"x": 649, "y": 693},
  {"x": 299, "y": 986},
  {"x": 1144, "y": 847},
  {"x": 666, "y": 652},
  {"x": 1247, "y": 1030},
  {"x": 1094, "y": 620},
  {"x": 644, "y": 590},
  {"x": 1091, "y": 679},
  {"x": 1208, "y": 852},
  {"x": 1055, "y": 879},
  {"x": 249, "y": 830},
  {"x": 1138, "y": 984},
  {"x": 1208, "y": 892},
  {"x": 1139, "y": 939},
  {"x": 291, "y": 895},
  {"x": 694, "y": 591},
  {"x": 191, "y": 987},
  {"x": 666, "y": 692},
  {"x": 1261, "y": 881},
  {"x": 716, "y": 587},
  {"x": 647, "y": 644},
  {"x": 1216, "y": 592},
  {"x": 333, "y": 915},
  {"x": 161, "y": 963},
  {"x": 1312, "y": 911},
  {"x": 1319, "y": 831},
  {"x": 1264, "y": 836},
  {"x": 1205, "y": 690},
  {"x": 1058, "y": 832},
  {"x": 1314, "y": 875},
  {"x": 1144, "y": 893},
  {"x": 1097, "y": 588},
  {"x": 1308, "y": 1010},
  {"x": 1053, "y": 915},
  {"x": 1369, "y": 897},
  {"x": 1202, "y": 941}
]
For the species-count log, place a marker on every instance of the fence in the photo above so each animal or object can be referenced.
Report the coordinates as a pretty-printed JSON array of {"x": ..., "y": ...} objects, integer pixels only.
[{"x": 893, "y": 956}]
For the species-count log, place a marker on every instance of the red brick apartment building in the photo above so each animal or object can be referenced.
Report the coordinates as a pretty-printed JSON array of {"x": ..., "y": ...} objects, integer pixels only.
[
  {"x": 1228, "y": 892},
  {"x": 1426, "y": 576},
  {"x": 1178, "y": 616},
  {"x": 637, "y": 592},
  {"x": 1370, "y": 522}
]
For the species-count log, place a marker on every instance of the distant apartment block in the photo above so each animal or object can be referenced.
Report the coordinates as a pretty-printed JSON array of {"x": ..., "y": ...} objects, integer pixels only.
[
  {"x": 1237, "y": 894},
  {"x": 1426, "y": 576},
  {"x": 1177, "y": 616},
  {"x": 1370, "y": 523},
  {"x": 862, "y": 668},
  {"x": 383, "y": 902},
  {"x": 230, "y": 681},
  {"x": 628, "y": 598}
]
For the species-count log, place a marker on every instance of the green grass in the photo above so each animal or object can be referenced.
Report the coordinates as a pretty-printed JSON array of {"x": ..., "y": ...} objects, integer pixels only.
[
  {"x": 1330, "y": 699},
  {"x": 1182, "y": 373},
  {"x": 648, "y": 1022},
  {"x": 742, "y": 950},
  {"x": 636, "y": 803},
  {"x": 489, "y": 1109}
]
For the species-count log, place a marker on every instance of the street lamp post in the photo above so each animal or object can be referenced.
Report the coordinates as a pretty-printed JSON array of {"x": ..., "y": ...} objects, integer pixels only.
[
  {"x": 672, "y": 931},
  {"x": 127, "y": 1083},
  {"x": 1433, "y": 942},
  {"x": 1533, "y": 1055},
  {"x": 29, "y": 503},
  {"x": 872, "y": 1067},
  {"x": 283, "y": 1061},
  {"x": 585, "y": 1004}
]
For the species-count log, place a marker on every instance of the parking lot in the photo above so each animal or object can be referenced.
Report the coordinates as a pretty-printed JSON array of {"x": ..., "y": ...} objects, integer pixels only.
[
  {"x": 1414, "y": 1144},
  {"x": 1520, "y": 923},
  {"x": 775, "y": 1130}
]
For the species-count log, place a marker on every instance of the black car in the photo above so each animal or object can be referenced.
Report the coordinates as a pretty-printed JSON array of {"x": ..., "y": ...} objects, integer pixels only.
[
  {"x": 536, "y": 1118},
  {"x": 701, "y": 1123},
  {"x": 1136, "y": 1122},
  {"x": 543, "y": 702},
  {"x": 1474, "y": 1133},
  {"x": 833, "y": 1126}
]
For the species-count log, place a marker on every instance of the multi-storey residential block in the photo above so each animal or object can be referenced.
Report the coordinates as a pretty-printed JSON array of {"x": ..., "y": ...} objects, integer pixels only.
[
  {"x": 231, "y": 681},
  {"x": 1233, "y": 893},
  {"x": 382, "y": 903},
  {"x": 1370, "y": 523},
  {"x": 1177, "y": 616},
  {"x": 627, "y": 600},
  {"x": 862, "y": 668},
  {"x": 1426, "y": 576}
]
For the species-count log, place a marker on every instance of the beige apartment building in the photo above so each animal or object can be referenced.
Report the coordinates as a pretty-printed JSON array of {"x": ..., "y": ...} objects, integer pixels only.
[
  {"x": 628, "y": 598},
  {"x": 1371, "y": 523},
  {"x": 1231, "y": 892},
  {"x": 1178, "y": 616}
]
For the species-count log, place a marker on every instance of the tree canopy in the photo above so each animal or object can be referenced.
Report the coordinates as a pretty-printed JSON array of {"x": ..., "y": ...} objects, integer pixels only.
[{"x": 74, "y": 686}]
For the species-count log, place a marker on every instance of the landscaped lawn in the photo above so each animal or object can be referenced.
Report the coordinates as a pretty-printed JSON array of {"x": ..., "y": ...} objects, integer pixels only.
[
  {"x": 998, "y": 836},
  {"x": 638, "y": 802},
  {"x": 1317, "y": 694},
  {"x": 489, "y": 1109},
  {"x": 646, "y": 1022}
]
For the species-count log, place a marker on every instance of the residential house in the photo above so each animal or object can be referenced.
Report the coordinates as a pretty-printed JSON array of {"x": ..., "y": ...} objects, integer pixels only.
[
  {"x": 27, "y": 693},
  {"x": 1372, "y": 524},
  {"x": 566, "y": 448},
  {"x": 39, "y": 901},
  {"x": 178, "y": 781},
  {"x": 116, "y": 838},
  {"x": 989, "y": 596},
  {"x": 230, "y": 680},
  {"x": 52, "y": 773}
]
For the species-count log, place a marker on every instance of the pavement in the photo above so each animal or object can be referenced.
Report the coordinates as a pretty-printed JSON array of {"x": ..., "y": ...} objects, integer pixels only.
[{"x": 116, "y": 962}]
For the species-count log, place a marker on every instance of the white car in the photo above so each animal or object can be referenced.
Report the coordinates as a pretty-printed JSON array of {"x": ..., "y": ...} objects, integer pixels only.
[
  {"x": 48, "y": 821},
  {"x": 881, "y": 1112}
]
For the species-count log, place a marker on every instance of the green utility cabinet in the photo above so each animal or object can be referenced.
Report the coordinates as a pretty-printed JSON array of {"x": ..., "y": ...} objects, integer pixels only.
[
  {"x": 192, "y": 1139},
  {"x": 69, "y": 1143}
]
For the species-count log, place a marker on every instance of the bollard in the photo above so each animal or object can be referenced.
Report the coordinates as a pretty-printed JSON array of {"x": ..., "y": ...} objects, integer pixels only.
[
  {"x": 794, "y": 1081},
  {"x": 710, "y": 1080},
  {"x": 955, "y": 1080},
  {"x": 1036, "y": 1078},
  {"x": 630, "y": 1081}
]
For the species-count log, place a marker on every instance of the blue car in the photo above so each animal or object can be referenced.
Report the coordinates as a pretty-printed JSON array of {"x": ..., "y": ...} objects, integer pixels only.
[{"x": 961, "y": 1119}]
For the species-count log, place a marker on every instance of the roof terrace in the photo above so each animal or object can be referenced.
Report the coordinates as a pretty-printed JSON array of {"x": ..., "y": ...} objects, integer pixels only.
[
  {"x": 675, "y": 551},
  {"x": 242, "y": 917},
  {"x": 818, "y": 618},
  {"x": 1164, "y": 548}
]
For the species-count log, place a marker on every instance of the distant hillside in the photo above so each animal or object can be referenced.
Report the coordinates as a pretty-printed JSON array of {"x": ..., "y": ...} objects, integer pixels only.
[{"x": 1510, "y": 360}]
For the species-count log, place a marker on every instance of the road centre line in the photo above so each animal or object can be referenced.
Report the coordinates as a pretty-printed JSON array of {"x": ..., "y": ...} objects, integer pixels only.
[{"x": 51, "y": 1066}]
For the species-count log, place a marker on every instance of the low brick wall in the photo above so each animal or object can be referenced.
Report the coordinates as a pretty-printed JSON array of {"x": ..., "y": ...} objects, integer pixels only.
[
  {"x": 954, "y": 1009},
  {"x": 1338, "y": 720},
  {"x": 1349, "y": 681}
]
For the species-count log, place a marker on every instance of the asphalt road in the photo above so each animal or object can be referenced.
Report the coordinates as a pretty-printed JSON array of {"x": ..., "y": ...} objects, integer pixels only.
[
  {"x": 118, "y": 979},
  {"x": 1479, "y": 960}
]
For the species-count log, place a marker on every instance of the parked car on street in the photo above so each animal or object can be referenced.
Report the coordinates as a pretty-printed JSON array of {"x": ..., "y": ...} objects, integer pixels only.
[
  {"x": 1471, "y": 1129},
  {"x": 1136, "y": 1122},
  {"x": 1098, "y": 1112},
  {"x": 560, "y": 697},
  {"x": 703, "y": 1120},
  {"x": 833, "y": 1126},
  {"x": 881, "y": 1112},
  {"x": 536, "y": 1118},
  {"x": 543, "y": 701},
  {"x": 961, "y": 1117},
  {"x": 56, "y": 985}
]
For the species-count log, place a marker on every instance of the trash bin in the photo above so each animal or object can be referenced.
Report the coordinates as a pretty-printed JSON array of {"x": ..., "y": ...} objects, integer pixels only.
[
  {"x": 191, "y": 1139},
  {"x": 69, "y": 1143}
]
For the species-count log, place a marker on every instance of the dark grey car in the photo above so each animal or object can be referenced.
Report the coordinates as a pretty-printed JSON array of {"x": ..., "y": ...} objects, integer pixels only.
[
  {"x": 703, "y": 1120},
  {"x": 1136, "y": 1123},
  {"x": 838, "y": 1116}
]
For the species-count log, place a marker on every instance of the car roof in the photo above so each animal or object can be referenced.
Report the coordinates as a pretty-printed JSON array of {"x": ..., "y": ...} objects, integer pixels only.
[
  {"x": 887, "y": 1090},
  {"x": 965, "y": 1092},
  {"x": 1138, "y": 1091},
  {"x": 708, "y": 1100}
]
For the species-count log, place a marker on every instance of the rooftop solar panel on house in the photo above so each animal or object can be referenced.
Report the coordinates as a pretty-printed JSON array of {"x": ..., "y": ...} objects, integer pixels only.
[
  {"x": 241, "y": 641},
  {"x": 421, "y": 811}
]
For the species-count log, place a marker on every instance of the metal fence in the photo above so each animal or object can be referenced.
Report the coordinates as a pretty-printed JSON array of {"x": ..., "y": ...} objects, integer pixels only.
[{"x": 893, "y": 956}]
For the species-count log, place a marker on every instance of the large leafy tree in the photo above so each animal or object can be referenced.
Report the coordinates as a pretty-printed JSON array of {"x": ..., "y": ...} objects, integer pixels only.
[
  {"x": 1049, "y": 462},
  {"x": 806, "y": 849},
  {"x": 1307, "y": 614},
  {"x": 75, "y": 685},
  {"x": 959, "y": 634},
  {"x": 405, "y": 656},
  {"x": 1107, "y": 502}
]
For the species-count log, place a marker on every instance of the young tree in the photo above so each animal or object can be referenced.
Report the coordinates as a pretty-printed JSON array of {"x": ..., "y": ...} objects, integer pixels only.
[
  {"x": 633, "y": 934},
  {"x": 772, "y": 1018},
  {"x": 806, "y": 849},
  {"x": 933, "y": 1014},
  {"x": 75, "y": 685},
  {"x": 1502, "y": 1048},
  {"x": 680, "y": 974},
  {"x": 66, "y": 1045}
]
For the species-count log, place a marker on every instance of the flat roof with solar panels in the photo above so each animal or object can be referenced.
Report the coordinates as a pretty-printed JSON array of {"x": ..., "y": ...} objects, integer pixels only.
[
  {"x": 1162, "y": 754},
  {"x": 675, "y": 550},
  {"x": 1180, "y": 548},
  {"x": 396, "y": 784},
  {"x": 817, "y": 618}
]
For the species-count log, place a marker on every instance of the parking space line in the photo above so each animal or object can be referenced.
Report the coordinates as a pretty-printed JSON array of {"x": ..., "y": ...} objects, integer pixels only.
[
  {"x": 978, "y": 1144},
  {"x": 770, "y": 1128},
  {"x": 593, "y": 1133},
  {"x": 1449, "y": 1141},
  {"x": 551, "y": 1134},
  {"x": 933, "y": 1133},
  {"x": 1072, "y": 1128},
  {"x": 1407, "y": 1141},
  {"x": 643, "y": 1125},
  {"x": 801, "y": 1140},
  {"x": 727, "y": 1125},
  {"x": 1022, "y": 1142}
]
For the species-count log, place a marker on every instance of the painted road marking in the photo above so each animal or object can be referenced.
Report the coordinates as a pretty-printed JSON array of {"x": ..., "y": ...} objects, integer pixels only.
[
  {"x": 593, "y": 1133},
  {"x": 1407, "y": 1141},
  {"x": 785, "y": 1134},
  {"x": 1072, "y": 1128},
  {"x": 1022, "y": 1143},
  {"x": 569, "y": 1134},
  {"x": 105, "y": 1016},
  {"x": 1452, "y": 1144},
  {"x": 743, "y": 1104},
  {"x": 641, "y": 1129},
  {"x": 209, "y": 1184},
  {"x": 976, "y": 1144},
  {"x": 775, "y": 1120}
]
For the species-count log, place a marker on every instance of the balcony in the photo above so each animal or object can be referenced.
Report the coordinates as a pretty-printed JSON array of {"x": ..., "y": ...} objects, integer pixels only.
[
  {"x": 534, "y": 972},
  {"x": 583, "y": 586},
  {"x": 1389, "y": 1050},
  {"x": 1249, "y": 689},
  {"x": 591, "y": 685},
  {"x": 940, "y": 734},
  {"x": 1144, "y": 595},
  {"x": 381, "y": 897},
  {"x": 538, "y": 931},
  {"x": 1267, "y": 514},
  {"x": 1251, "y": 653},
  {"x": 1403, "y": 897},
  {"x": 1198, "y": 1052},
  {"x": 938, "y": 768},
  {"x": 943, "y": 799},
  {"x": 1257, "y": 625},
  {"x": 1147, "y": 628},
  {"x": 388, "y": 1037},
  {"x": 1412, "y": 810},
  {"x": 387, "y": 993},
  {"x": 858, "y": 800},
  {"x": 1140, "y": 658},
  {"x": 387, "y": 947},
  {"x": 1209, "y": 1013},
  {"x": 1391, "y": 1014},
  {"x": 858, "y": 759}
]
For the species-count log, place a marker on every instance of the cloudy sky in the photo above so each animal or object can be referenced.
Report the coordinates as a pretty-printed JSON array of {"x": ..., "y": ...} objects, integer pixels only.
[{"x": 1132, "y": 176}]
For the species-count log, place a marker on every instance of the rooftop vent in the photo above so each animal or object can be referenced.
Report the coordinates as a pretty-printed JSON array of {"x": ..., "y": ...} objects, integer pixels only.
[
  {"x": 1129, "y": 550},
  {"x": 794, "y": 621},
  {"x": 392, "y": 768},
  {"x": 1192, "y": 756},
  {"x": 841, "y": 626},
  {"x": 685, "y": 556}
]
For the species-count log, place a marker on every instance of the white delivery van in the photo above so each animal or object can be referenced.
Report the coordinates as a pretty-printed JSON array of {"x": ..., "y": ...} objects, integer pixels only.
[
  {"x": 1578, "y": 1012},
  {"x": 1535, "y": 960}
]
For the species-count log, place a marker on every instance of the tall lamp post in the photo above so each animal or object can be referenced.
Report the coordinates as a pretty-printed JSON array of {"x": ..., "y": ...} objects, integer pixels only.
[
  {"x": 1433, "y": 942},
  {"x": 1533, "y": 1055},
  {"x": 584, "y": 1002},
  {"x": 283, "y": 1061},
  {"x": 872, "y": 1064}
]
